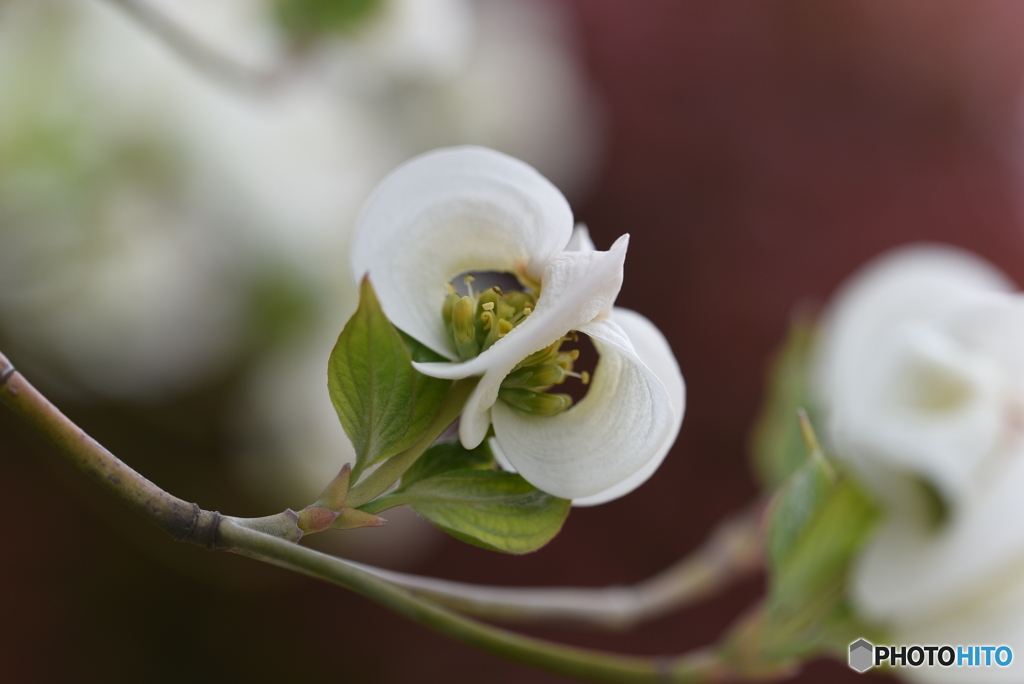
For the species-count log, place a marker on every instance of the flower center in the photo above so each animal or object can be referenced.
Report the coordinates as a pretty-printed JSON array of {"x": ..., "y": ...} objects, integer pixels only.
[{"x": 477, "y": 320}]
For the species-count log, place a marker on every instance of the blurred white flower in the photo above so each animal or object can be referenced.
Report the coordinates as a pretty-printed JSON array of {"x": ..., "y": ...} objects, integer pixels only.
[
  {"x": 520, "y": 88},
  {"x": 107, "y": 260},
  {"x": 921, "y": 375},
  {"x": 456, "y": 210},
  {"x": 142, "y": 203}
]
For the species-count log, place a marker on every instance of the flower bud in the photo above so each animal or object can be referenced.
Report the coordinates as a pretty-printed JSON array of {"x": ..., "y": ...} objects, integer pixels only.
[
  {"x": 535, "y": 403},
  {"x": 534, "y": 377},
  {"x": 464, "y": 329}
]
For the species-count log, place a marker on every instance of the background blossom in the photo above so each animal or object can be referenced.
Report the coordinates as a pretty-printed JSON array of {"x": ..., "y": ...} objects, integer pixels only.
[{"x": 921, "y": 375}]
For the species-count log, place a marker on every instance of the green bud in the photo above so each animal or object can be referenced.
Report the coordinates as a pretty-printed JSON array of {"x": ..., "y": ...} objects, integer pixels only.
[
  {"x": 534, "y": 377},
  {"x": 519, "y": 300},
  {"x": 450, "y": 300},
  {"x": 464, "y": 329},
  {"x": 535, "y": 403},
  {"x": 505, "y": 310},
  {"x": 545, "y": 355},
  {"x": 491, "y": 332},
  {"x": 489, "y": 296}
]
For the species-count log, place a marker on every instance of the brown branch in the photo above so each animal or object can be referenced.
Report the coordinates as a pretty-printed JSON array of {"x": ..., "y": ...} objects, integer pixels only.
[{"x": 184, "y": 521}]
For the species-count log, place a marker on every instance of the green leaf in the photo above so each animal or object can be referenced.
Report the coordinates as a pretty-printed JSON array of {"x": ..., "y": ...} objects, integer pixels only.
[
  {"x": 384, "y": 403},
  {"x": 306, "y": 18},
  {"x": 496, "y": 510},
  {"x": 795, "y": 507},
  {"x": 445, "y": 457},
  {"x": 819, "y": 522},
  {"x": 777, "y": 445}
]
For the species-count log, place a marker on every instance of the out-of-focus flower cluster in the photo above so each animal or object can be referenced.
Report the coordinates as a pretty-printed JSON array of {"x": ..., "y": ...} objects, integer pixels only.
[{"x": 161, "y": 230}]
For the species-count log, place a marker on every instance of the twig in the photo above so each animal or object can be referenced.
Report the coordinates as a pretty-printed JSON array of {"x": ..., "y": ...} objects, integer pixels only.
[
  {"x": 182, "y": 520},
  {"x": 733, "y": 551},
  {"x": 702, "y": 666},
  {"x": 205, "y": 58},
  {"x": 187, "y": 522}
]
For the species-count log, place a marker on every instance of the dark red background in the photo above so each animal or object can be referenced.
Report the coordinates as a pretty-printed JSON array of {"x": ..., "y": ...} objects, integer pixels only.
[{"x": 759, "y": 153}]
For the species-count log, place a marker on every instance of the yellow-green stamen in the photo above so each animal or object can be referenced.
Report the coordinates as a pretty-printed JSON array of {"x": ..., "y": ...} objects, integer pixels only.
[{"x": 478, "y": 320}]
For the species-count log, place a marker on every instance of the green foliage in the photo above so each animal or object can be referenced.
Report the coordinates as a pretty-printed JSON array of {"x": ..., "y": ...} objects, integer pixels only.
[
  {"x": 457, "y": 491},
  {"x": 777, "y": 444},
  {"x": 819, "y": 519},
  {"x": 306, "y": 18},
  {"x": 384, "y": 403},
  {"x": 447, "y": 456},
  {"x": 818, "y": 523}
]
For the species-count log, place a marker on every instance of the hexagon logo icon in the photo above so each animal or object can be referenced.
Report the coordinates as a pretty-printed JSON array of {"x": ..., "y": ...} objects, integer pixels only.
[{"x": 861, "y": 655}]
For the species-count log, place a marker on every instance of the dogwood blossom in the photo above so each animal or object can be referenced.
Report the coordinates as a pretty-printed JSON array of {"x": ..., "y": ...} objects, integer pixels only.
[
  {"x": 921, "y": 373},
  {"x": 458, "y": 210}
]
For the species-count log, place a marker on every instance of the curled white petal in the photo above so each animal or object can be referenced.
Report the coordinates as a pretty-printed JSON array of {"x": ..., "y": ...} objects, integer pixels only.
[
  {"x": 626, "y": 420},
  {"x": 576, "y": 288},
  {"x": 903, "y": 382},
  {"x": 910, "y": 573},
  {"x": 447, "y": 212},
  {"x": 655, "y": 352}
]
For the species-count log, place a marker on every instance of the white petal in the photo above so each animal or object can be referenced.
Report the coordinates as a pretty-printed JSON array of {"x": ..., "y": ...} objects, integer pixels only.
[
  {"x": 620, "y": 426},
  {"x": 997, "y": 621},
  {"x": 580, "y": 240},
  {"x": 909, "y": 573},
  {"x": 447, "y": 212},
  {"x": 891, "y": 350},
  {"x": 500, "y": 457},
  {"x": 655, "y": 352},
  {"x": 576, "y": 288}
]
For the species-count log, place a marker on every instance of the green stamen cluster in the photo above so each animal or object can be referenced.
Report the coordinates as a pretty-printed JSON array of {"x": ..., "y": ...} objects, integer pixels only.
[{"x": 475, "y": 322}]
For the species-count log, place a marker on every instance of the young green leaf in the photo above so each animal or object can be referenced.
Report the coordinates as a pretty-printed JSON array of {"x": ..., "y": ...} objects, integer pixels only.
[
  {"x": 445, "y": 457},
  {"x": 776, "y": 444},
  {"x": 383, "y": 402},
  {"x": 819, "y": 522},
  {"x": 495, "y": 510}
]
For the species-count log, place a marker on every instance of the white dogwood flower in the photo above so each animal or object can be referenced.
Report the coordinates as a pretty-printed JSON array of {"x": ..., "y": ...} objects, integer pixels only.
[
  {"x": 921, "y": 374},
  {"x": 457, "y": 210}
]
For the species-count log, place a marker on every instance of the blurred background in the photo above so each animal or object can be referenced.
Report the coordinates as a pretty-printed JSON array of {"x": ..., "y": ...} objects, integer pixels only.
[{"x": 173, "y": 273}]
